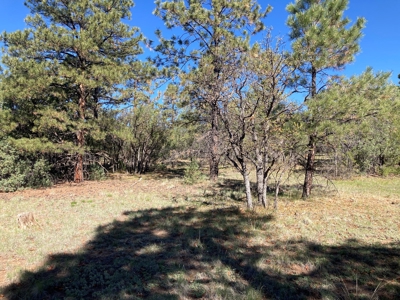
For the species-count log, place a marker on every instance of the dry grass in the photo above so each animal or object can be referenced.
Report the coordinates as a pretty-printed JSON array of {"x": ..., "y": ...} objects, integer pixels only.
[{"x": 157, "y": 238}]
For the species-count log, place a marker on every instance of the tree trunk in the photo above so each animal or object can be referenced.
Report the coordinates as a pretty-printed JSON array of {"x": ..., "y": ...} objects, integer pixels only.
[
  {"x": 260, "y": 167},
  {"x": 247, "y": 185},
  {"x": 214, "y": 147},
  {"x": 261, "y": 188},
  {"x": 313, "y": 82},
  {"x": 262, "y": 173},
  {"x": 308, "y": 179},
  {"x": 265, "y": 199},
  {"x": 80, "y": 136},
  {"x": 78, "y": 172},
  {"x": 262, "y": 178}
]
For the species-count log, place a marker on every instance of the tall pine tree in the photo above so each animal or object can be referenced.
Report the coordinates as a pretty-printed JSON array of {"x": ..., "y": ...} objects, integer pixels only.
[
  {"x": 322, "y": 41},
  {"x": 207, "y": 27},
  {"x": 73, "y": 58}
]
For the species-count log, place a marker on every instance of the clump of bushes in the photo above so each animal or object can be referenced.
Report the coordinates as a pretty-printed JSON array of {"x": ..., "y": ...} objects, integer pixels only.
[
  {"x": 96, "y": 172},
  {"x": 389, "y": 171},
  {"x": 19, "y": 171}
]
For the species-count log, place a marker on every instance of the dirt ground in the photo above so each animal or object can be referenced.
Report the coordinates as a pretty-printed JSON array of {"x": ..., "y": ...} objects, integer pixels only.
[{"x": 159, "y": 183}]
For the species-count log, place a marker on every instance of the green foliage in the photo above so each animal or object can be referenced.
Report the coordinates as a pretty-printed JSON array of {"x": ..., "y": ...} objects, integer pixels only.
[
  {"x": 39, "y": 175},
  {"x": 18, "y": 171},
  {"x": 357, "y": 119},
  {"x": 214, "y": 33},
  {"x": 322, "y": 40},
  {"x": 12, "y": 169},
  {"x": 65, "y": 76},
  {"x": 74, "y": 57},
  {"x": 349, "y": 103},
  {"x": 389, "y": 171},
  {"x": 7, "y": 124},
  {"x": 322, "y": 37},
  {"x": 192, "y": 173},
  {"x": 207, "y": 27},
  {"x": 96, "y": 172},
  {"x": 143, "y": 135}
]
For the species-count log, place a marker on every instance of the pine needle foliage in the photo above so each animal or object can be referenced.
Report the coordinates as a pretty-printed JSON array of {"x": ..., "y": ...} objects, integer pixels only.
[
  {"x": 322, "y": 40},
  {"x": 74, "y": 58},
  {"x": 207, "y": 32}
]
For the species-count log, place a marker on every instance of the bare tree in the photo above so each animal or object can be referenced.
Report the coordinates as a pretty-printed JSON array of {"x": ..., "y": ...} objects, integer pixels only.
[{"x": 271, "y": 86}]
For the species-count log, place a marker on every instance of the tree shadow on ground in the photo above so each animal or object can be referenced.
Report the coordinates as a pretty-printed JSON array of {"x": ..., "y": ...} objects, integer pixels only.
[
  {"x": 232, "y": 189},
  {"x": 187, "y": 253},
  {"x": 167, "y": 173}
]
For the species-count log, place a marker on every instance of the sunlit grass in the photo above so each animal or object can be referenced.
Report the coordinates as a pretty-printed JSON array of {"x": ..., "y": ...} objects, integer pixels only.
[{"x": 386, "y": 188}]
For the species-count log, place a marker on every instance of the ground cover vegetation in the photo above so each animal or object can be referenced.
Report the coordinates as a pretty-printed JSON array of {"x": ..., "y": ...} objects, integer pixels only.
[
  {"x": 261, "y": 116},
  {"x": 159, "y": 238}
]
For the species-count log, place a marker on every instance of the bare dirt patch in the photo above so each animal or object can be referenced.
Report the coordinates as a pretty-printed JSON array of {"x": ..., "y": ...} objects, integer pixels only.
[{"x": 121, "y": 183}]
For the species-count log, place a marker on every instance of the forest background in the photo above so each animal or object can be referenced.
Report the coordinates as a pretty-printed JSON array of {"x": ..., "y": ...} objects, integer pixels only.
[{"x": 76, "y": 113}]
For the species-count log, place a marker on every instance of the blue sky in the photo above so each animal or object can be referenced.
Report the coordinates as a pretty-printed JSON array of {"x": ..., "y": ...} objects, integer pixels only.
[{"x": 380, "y": 46}]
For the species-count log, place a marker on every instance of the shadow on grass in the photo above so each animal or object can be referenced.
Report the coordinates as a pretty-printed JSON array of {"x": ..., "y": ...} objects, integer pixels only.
[
  {"x": 185, "y": 253},
  {"x": 232, "y": 189},
  {"x": 168, "y": 173}
]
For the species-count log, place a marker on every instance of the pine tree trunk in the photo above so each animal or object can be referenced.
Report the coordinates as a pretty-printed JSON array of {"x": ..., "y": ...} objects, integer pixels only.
[
  {"x": 214, "y": 147},
  {"x": 80, "y": 136},
  {"x": 308, "y": 179},
  {"x": 78, "y": 173}
]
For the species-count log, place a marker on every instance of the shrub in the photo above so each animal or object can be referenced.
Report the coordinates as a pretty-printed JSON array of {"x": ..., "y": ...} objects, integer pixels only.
[
  {"x": 192, "y": 173},
  {"x": 18, "y": 171},
  {"x": 96, "y": 172},
  {"x": 11, "y": 168},
  {"x": 389, "y": 170},
  {"x": 39, "y": 175}
]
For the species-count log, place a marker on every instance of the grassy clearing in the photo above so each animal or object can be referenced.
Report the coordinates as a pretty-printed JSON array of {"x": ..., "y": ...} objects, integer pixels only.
[{"x": 157, "y": 238}]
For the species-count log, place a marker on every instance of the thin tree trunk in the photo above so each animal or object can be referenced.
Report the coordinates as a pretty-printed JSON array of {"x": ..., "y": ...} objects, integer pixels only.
[
  {"x": 262, "y": 178},
  {"x": 308, "y": 179},
  {"x": 261, "y": 186},
  {"x": 247, "y": 185},
  {"x": 214, "y": 147},
  {"x": 265, "y": 199},
  {"x": 262, "y": 174},
  {"x": 260, "y": 166}
]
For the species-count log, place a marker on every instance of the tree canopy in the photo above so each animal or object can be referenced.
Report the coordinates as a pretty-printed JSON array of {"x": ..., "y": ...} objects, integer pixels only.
[
  {"x": 78, "y": 100},
  {"x": 61, "y": 71}
]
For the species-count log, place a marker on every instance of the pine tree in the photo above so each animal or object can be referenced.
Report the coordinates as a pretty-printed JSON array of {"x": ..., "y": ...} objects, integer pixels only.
[
  {"x": 322, "y": 41},
  {"x": 73, "y": 59},
  {"x": 207, "y": 28},
  {"x": 355, "y": 119}
]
